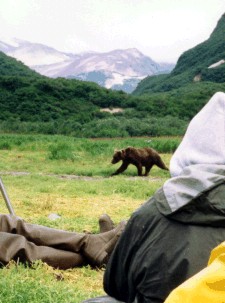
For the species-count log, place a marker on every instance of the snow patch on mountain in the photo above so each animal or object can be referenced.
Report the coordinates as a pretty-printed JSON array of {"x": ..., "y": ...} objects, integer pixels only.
[
  {"x": 4, "y": 47},
  {"x": 38, "y": 57},
  {"x": 10, "y": 42},
  {"x": 32, "y": 54},
  {"x": 51, "y": 70},
  {"x": 117, "y": 79},
  {"x": 37, "y": 54}
]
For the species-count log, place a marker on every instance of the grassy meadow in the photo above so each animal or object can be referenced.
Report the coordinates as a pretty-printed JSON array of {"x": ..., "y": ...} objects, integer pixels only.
[{"x": 69, "y": 177}]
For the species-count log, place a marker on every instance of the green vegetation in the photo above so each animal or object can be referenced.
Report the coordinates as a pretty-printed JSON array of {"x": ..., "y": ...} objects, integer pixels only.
[
  {"x": 192, "y": 63},
  {"x": 78, "y": 188},
  {"x": 35, "y": 104},
  {"x": 20, "y": 284}
]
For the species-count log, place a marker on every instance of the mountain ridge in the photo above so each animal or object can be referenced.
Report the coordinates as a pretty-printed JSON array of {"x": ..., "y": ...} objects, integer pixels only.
[{"x": 117, "y": 69}]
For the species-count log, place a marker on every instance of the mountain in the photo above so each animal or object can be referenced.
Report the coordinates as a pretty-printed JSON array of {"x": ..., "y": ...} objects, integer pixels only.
[
  {"x": 118, "y": 69},
  {"x": 204, "y": 62}
]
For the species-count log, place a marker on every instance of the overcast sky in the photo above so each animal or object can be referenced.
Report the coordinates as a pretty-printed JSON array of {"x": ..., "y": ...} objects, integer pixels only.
[{"x": 161, "y": 29}]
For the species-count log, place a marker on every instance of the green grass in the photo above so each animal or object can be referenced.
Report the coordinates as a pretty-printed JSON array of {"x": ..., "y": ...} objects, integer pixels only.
[
  {"x": 70, "y": 177},
  {"x": 40, "y": 283}
]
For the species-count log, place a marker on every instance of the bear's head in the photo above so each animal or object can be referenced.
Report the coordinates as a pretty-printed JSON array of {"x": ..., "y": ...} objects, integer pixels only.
[{"x": 118, "y": 155}]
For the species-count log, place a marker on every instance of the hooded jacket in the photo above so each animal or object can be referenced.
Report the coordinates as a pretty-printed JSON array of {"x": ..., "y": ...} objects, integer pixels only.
[{"x": 169, "y": 238}]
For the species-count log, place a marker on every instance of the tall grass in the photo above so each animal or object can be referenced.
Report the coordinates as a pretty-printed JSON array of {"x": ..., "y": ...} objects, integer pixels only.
[
  {"x": 92, "y": 146},
  {"x": 85, "y": 157},
  {"x": 61, "y": 151}
]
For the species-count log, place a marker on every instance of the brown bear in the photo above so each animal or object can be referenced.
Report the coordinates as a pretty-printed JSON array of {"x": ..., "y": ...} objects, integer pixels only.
[{"x": 139, "y": 157}]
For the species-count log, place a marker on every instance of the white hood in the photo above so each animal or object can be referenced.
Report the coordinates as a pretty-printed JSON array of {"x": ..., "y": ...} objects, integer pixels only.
[{"x": 198, "y": 164}]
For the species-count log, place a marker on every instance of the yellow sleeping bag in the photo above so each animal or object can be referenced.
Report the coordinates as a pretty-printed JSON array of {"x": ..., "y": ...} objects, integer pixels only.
[{"x": 208, "y": 286}]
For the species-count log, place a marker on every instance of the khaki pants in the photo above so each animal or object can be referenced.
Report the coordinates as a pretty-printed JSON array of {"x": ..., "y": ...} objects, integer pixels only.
[{"x": 61, "y": 249}]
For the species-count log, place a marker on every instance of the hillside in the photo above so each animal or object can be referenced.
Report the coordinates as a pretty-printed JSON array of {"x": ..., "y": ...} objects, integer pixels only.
[
  {"x": 204, "y": 62},
  {"x": 28, "y": 96},
  {"x": 10, "y": 67}
]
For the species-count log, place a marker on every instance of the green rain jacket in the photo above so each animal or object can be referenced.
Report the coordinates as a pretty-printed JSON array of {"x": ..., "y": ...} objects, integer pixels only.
[{"x": 159, "y": 250}]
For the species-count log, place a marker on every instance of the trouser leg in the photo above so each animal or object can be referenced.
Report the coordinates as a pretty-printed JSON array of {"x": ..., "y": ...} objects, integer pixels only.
[
  {"x": 41, "y": 235},
  {"x": 16, "y": 247},
  {"x": 94, "y": 248}
]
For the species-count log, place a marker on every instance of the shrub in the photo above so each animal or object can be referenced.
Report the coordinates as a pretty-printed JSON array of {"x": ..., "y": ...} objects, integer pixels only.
[
  {"x": 5, "y": 145},
  {"x": 61, "y": 151}
]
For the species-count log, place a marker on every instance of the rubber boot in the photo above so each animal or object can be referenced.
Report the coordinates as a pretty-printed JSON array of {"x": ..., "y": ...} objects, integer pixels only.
[
  {"x": 98, "y": 248},
  {"x": 105, "y": 223}
]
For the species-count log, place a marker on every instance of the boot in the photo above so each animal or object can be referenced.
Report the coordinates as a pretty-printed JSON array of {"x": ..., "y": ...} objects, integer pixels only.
[
  {"x": 105, "y": 223},
  {"x": 98, "y": 248}
]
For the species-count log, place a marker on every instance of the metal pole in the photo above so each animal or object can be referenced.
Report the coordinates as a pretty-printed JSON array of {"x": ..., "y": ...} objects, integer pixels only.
[{"x": 6, "y": 198}]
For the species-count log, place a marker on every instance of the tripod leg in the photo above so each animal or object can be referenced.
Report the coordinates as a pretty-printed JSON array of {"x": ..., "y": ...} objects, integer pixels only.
[{"x": 6, "y": 198}]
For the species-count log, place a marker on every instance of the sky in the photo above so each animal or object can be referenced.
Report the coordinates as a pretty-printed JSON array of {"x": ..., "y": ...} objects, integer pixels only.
[{"x": 160, "y": 29}]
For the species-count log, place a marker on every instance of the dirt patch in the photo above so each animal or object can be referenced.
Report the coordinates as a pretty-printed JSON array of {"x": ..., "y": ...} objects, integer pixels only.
[
  {"x": 76, "y": 177},
  {"x": 15, "y": 173},
  {"x": 112, "y": 110}
]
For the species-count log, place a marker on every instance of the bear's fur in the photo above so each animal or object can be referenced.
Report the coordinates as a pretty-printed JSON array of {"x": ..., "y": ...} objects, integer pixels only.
[{"x": 139, "y": 157}]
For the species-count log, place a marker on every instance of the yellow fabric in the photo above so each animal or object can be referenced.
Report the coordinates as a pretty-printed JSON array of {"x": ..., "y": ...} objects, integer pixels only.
[{"x": 208, "y": 286}]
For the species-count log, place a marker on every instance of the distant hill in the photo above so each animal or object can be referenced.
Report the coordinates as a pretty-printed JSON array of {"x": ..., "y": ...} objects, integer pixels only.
[
  {"x": 204, "y": 62},
  {"x": 117, "y": 69}
]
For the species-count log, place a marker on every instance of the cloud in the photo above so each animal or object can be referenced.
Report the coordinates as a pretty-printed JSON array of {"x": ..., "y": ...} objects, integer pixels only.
[{"x": 161, "y": 29}]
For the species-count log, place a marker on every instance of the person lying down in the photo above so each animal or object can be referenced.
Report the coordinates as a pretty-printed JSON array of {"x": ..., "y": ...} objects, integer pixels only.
[{"x": 25, "y": 242}]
